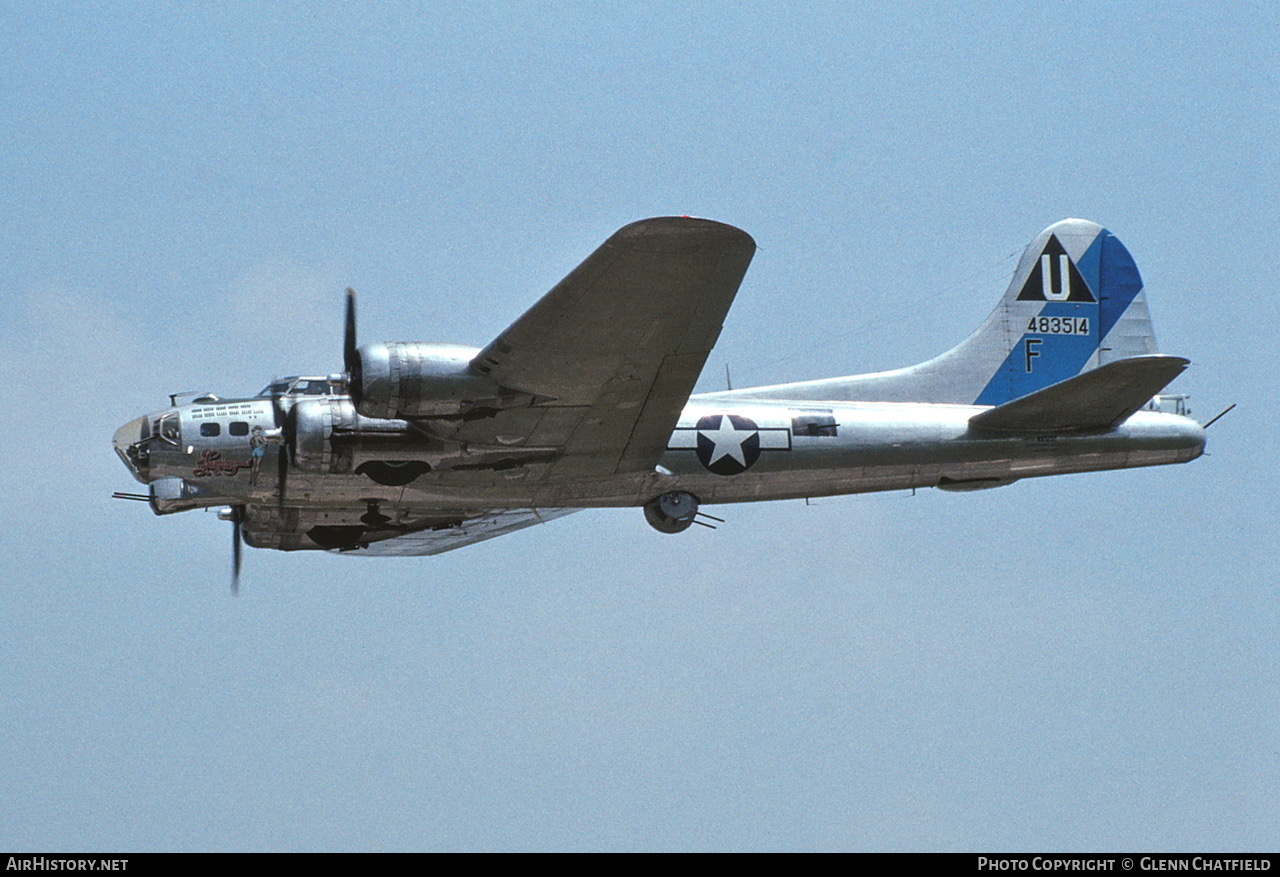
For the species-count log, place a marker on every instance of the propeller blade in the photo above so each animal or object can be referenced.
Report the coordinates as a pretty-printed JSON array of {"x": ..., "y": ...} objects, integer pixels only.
[
  {"x": 237, "y": 518},
  {"x": 350, "y": 355},
  {"x": 287, "y": 425},
  {"x": 287, "y": 453},
  {"x": 350, "y": 352},
  {"x": 282, "y": 466}
]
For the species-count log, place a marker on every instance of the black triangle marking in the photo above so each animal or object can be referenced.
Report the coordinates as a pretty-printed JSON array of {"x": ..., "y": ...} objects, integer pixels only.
[{"x": 1035, "y": 288}]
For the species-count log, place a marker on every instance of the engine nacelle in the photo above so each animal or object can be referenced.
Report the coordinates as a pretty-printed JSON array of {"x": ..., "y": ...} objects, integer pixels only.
[
  {"x": 401, "y": 380},
  {"x": 328, "y": 437}
]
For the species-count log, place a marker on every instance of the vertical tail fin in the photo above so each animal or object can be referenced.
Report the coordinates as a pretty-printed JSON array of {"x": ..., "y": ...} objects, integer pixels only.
[{"x": 1075, "y": 303}]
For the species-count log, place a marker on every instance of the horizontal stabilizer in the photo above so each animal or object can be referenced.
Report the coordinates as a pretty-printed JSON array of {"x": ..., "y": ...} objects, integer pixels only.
[{"x": 1097, "y": 399}]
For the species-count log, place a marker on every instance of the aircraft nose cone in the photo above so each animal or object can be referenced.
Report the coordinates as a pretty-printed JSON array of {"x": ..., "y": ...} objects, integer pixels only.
[
  {"x": 128, "y": 443},
  {"x": 128, "y": 434}
]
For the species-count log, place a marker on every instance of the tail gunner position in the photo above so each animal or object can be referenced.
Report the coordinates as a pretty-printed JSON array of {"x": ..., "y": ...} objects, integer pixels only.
[{"x": 584, "y": 402}]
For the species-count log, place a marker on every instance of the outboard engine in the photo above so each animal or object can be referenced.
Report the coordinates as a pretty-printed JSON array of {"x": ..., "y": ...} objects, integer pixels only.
[
  {"x": 412, "y": 380},
  {"x": 419, "y": 380}
]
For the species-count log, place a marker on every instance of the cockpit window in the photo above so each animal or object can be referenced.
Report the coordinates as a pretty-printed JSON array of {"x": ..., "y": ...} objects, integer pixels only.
[
  {"x": 275, "y": 388},
  {"x": 169, "y": 429},
  {"x": 297, "y": 387}
]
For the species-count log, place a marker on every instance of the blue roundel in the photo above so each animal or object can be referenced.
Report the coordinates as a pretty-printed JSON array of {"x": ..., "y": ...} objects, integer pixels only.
[{"x": 728, "y": 443}]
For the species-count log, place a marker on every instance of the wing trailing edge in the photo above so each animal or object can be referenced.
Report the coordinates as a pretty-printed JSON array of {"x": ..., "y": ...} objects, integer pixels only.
[{"x": 1097, "y": 399}]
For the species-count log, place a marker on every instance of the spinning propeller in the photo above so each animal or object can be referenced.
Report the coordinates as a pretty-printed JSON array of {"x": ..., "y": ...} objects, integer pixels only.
[
  {"x": 350, "y": 352},
  {"x": 237, "y": 520},
  {"x": 288, "y": 422}
]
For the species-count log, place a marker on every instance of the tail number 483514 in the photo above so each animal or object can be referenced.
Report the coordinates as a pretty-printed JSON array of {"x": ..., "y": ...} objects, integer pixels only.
[{"x": 1059, "y": 325}]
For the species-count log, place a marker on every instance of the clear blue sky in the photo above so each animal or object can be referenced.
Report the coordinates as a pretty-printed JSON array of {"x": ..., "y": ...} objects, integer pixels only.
[{"x": 1081, "y": 663}]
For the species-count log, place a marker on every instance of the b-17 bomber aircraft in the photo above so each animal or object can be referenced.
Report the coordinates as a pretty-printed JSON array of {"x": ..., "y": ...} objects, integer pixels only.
[{"x": 584, "y": 402}]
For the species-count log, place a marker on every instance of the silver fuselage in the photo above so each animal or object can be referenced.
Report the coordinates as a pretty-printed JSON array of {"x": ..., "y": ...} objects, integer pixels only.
[{"x": 801, "y": 449}]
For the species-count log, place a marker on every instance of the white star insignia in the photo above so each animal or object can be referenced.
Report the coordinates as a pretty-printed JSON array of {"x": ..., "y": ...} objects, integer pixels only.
[{"x": 728, "y": 441}]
